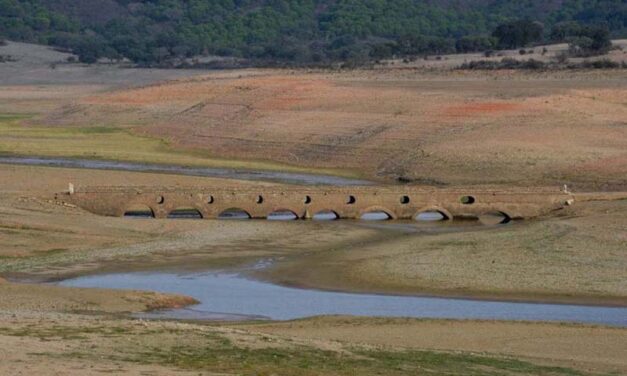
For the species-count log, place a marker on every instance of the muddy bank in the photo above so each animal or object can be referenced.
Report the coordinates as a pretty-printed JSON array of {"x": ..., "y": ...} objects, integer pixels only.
[{"x": 48, "y": 298}]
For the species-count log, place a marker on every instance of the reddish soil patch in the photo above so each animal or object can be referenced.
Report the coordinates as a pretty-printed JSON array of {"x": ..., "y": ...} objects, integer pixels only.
[{"x": 481, "y": 108}]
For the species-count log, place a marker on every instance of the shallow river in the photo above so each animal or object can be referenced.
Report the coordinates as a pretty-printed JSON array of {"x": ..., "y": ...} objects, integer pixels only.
[
  {"x": 229, "y": 296},
  {"x": 225, "y": 173}
]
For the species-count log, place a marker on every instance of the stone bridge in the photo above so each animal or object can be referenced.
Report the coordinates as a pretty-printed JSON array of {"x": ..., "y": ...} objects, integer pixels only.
[{"x": 398, "y": 202}]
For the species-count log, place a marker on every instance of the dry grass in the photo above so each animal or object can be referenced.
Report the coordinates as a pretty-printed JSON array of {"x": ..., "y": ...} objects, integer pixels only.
[
  {"x": 454, "y": 127},
  {"x": 72, "y": 344},
  {"x": 111, "y": 143}
]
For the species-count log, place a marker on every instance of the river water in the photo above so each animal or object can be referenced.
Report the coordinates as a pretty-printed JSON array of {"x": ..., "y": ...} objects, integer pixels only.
[
  {"x": 233, "y": 296},
  {"x": 225, "y": 173}
]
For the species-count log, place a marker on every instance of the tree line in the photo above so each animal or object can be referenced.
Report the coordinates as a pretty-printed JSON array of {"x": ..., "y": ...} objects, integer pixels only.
[{"x": 158, "y": 32}]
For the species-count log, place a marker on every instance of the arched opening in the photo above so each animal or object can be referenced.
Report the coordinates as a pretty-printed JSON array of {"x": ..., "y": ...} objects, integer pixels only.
[
  {"x": 431, "y": 216},
  {"x": 160, "y": 200},
  {"x": 325, "y": 215},
  {"x": 234, "y": 213},
  {"x": 351, "y": 200},
  {"x": 259, "y": 199},
  {"x": 139, "y": 211},
  {"x": 282, "y": 215},
  {"x": 307, "y": 200},
  {"x": 405, "y": 200},
  {"x": 210, "y": 199},
  {"x": 376, "y": 215},
  {"x": 494, "y": 218},
  {"x": 185, "y": 213},
  {"x": 467, "y": 200}
]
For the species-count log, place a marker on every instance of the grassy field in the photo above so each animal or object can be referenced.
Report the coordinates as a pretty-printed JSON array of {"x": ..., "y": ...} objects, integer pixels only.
[
  {"x": 162, "y": 347},
  {"x": 111, "y": 143}
]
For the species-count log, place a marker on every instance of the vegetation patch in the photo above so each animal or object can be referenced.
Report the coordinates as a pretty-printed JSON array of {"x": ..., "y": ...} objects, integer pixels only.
[
  {"x": 532, "y": 64},
  {"x": 213, "y": 352},
  {"x": 169, "y": 33}
]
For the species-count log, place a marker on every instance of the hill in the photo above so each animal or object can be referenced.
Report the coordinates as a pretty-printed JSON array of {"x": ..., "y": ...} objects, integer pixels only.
[{"x": 298, "y": 31}]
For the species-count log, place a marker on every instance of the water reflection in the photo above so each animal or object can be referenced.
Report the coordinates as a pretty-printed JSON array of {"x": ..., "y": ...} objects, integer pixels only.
[
  {"x": 431, "y": 216},
  {"x": 282, "y": 215},
  {"x": 376, "y": 216},
  {"x": 325, "y": 215}
]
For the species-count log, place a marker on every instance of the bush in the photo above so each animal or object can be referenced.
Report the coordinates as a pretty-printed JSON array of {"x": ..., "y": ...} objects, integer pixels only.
[
  {"x": 522, "y": 51},
  {"x": 532, "y": 64},
  {"x": 506, "y": 63},
  {"x": 475, "y": 44},
  {"x": 600, "y": 64}
]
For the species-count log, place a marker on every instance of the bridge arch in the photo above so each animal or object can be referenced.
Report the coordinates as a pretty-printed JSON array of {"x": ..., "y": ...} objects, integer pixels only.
[
  {"x": 325, "y": 215},
  {"x": 139, "y": 211},
  {"x": 377, "y": 209},
  {"x": 447, "y": 216},
  {"x": 496, "y": 217},
  {"x": 185, "y": 212},
  {"x": 234, "y": 213},
  {"x": 282, "y": 214}
]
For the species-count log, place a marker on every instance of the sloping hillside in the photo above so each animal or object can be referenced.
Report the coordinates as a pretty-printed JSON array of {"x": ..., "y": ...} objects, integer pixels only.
[{"x": 300, "y": 31}]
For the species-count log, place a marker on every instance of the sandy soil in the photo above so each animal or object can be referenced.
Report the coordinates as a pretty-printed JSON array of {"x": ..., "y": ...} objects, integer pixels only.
[{"x": 61, "y": 343}]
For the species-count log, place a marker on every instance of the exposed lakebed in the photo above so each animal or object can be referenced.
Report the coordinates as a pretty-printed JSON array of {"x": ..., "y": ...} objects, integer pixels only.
[{"x": 233, "y": 296}]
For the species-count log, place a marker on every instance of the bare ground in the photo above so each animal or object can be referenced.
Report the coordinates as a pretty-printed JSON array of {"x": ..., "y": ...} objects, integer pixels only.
[
  {"x": 577, "y": 257},
  {"x": 453, "y": 128},
  {"x": 507, "y": 128}
]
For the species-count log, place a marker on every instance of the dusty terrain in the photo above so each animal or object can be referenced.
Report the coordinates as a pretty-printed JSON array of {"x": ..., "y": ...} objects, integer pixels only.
[
  {"x": 453, "y": 128},
  {"x": 421, "y": 125},
  {"x": 577, "y": 255},
  {"x": 425, "y": 125}
]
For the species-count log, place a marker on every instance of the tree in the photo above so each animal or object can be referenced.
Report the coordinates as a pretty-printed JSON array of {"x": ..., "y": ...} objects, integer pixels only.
[
  {"x": 583, "y": 40},
  {"x": 518, "y": 33}
]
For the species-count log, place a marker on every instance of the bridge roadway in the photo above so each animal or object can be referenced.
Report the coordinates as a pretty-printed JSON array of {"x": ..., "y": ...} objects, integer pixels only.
[{"x": 399, "y": 202}]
